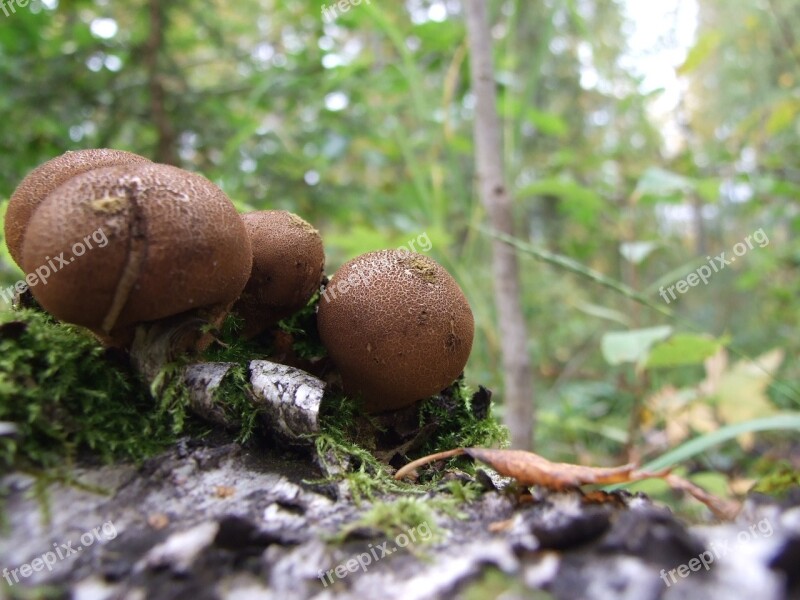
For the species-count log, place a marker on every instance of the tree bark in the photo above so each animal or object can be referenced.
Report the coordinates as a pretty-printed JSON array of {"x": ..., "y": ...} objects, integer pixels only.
[{"x": 517, "y": 372}]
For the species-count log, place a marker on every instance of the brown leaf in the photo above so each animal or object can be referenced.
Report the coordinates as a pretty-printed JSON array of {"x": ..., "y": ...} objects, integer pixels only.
[{"x": 530, "y": 469}]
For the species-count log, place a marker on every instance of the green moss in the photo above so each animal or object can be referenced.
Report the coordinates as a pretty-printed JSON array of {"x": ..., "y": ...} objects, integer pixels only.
[
  {"x": 66, "y": 395},
  {"x": 463, "y": 492},
  {"x": 229, "y": 347},
  {"x": 303, "y": 327},
  {"x": 234, "y": 394},
  {"x": 395, "y": 517},
  {"x": 366, "y": 476},
  {"x": 460, "y": 424},
  {"x": 494, "y": 583},
  {"x": 349, "y": 440},
  {"x": 781, "y": 479}
]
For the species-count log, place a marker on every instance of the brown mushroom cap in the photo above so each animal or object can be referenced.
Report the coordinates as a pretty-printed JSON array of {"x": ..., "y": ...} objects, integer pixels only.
[
  {"x": 47, "y": 177},
  {"x": 174, "y": 243},
  {"x": 288, "y": 262},
  {"x": 397, "y": 326}
]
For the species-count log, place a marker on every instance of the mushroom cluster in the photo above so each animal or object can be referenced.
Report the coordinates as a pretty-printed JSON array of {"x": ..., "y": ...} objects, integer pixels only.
[
  {"x": 172, "y": 255},
  {"x": 176, "y": 246}
]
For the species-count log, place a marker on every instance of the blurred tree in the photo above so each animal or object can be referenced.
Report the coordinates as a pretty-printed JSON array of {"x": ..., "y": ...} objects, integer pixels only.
[{"x": 518, "y": 377}]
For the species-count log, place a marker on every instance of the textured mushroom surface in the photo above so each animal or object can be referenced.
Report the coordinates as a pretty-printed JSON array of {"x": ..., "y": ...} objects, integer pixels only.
[
  {"x": 47, "y": 177},
  {"x": 288, "y": 262},
  {"x": 174, "y": 243},
  {"x": 397, "y": 326}
]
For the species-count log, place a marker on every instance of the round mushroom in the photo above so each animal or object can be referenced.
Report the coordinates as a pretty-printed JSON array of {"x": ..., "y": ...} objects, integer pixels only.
[
  {"x": 118, "y": 246},
  {"x": 47, "y": 177},
  {"x": 397, "y": 326},
  {"x": 288, "y": 263}
]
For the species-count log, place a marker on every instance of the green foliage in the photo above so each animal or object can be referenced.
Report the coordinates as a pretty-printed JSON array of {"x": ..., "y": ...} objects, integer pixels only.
[
  {"x": 632, "y": 346},
  {"x": 683, "y": 349}
]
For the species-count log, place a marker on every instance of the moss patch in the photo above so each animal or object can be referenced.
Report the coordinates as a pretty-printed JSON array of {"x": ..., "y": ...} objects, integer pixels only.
[
  {"x": 394, "y": 518},
  {"x": 780, "y": 482},
  {"x": 67, "y": 395},
  {"x": 463, "y": 419}
]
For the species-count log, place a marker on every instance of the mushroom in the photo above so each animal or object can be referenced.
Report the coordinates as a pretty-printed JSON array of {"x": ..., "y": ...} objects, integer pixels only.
[
  {"x": 397, "y": 326},
  {"x": 288, "y": 263},
  {"x": 174, "y": 245},
  {"x": 47, "y": 177}
]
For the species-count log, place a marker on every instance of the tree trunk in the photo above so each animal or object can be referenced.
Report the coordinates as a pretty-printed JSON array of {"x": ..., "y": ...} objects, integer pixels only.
[
  {"x": 166, "y": 150},
  {"x": 518, "y": 377}
]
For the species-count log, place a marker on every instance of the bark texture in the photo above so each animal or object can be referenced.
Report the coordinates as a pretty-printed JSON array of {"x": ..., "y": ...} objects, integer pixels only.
[{"x": 211, "y": 520}]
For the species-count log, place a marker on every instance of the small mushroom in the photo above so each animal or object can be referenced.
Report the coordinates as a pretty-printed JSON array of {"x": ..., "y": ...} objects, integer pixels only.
[
  {"x": 397, "y": 326},
  {"x": 288, "y": 263},
  {"x": 47, "y": 177},
  {"x": 140, "y": 243}
]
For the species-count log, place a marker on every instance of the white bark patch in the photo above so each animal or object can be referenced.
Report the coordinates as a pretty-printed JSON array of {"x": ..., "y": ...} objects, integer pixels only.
[
  {"x": 291, "y": 398},
  {"x": 179, "y": 551}
]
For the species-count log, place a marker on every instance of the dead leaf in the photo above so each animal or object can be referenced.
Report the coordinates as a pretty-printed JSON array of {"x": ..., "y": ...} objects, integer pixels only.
[{"x": 530, "y": 469}]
